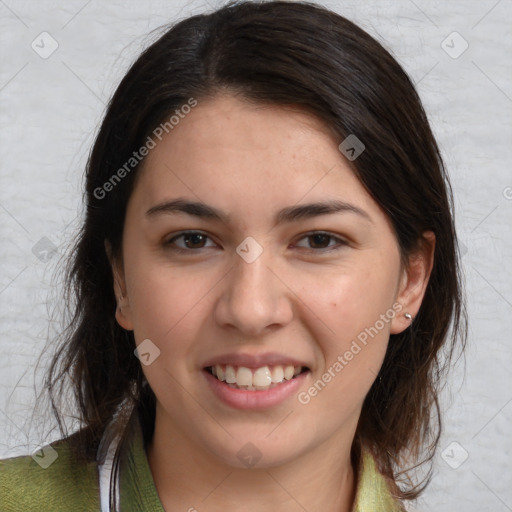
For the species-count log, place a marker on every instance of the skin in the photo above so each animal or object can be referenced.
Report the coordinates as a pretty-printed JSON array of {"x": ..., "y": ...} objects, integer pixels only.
[{"x": 301, "y": 297}]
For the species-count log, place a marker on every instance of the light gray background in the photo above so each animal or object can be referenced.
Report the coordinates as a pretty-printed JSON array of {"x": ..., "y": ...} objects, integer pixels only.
[{"x": 50, "y": 110}]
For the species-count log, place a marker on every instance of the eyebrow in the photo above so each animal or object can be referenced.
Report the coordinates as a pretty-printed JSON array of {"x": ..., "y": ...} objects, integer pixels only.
[{"x": 286, "y": 215}]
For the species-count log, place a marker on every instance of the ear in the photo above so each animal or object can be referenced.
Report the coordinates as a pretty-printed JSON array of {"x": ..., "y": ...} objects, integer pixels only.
[
  {"x": 123, "y": 311},
  {"x": 414, "y": 281}
]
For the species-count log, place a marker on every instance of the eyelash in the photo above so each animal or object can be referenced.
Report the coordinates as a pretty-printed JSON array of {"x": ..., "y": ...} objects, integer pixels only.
[{"x": 341, "y": 242}]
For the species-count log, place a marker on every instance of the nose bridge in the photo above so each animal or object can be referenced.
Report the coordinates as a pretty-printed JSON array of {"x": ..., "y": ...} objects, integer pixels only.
[{"x": 253, "y": 298}]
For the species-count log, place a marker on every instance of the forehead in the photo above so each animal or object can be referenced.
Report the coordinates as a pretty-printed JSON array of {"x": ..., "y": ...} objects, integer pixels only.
[{"x": 226, "y": 150}]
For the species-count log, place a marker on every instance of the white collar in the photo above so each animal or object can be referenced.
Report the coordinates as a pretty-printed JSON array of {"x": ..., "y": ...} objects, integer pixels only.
[{"x": 105, "y": 469}]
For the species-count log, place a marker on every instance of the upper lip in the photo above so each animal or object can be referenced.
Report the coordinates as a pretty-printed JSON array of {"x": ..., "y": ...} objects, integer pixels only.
[{"x": 254, "y": 360}]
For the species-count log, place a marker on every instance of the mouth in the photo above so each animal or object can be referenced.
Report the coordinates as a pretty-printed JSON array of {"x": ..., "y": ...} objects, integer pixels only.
[{"x": 255, "y": 379}]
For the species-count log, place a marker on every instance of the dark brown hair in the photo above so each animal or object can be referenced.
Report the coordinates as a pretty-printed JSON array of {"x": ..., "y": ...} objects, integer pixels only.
[{"x": 274, "y": 53}]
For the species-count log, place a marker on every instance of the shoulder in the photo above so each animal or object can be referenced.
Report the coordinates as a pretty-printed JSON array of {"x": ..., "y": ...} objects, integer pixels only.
[
  {"x": 374, "y": 491},
  {"x": 50, "y": 480}
]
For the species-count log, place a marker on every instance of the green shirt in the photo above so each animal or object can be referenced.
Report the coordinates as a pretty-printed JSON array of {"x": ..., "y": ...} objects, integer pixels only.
[{"x": 67, "y": 487}]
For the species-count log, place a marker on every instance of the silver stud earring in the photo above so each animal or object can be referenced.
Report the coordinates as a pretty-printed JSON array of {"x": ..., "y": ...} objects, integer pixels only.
[{"x": 408, "y": 316}]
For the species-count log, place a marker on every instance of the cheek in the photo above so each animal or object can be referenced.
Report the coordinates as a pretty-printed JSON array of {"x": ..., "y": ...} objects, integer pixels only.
[
  {"x": 352, "y": 351},
  {"x": 165, "y": 302},
  {"x": 347, "y": 301},
  {"x": 356, "y": 311}
]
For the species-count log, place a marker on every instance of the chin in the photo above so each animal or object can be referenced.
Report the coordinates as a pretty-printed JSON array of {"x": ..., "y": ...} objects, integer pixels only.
[{"x": 256, "y": 451}]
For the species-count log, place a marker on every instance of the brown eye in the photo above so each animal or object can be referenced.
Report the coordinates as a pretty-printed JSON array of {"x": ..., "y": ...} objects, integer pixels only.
[
  {"x": 191, "y": 240},
  {"x": 194, "y": 240},
  {"x": 321, "y": 242}
]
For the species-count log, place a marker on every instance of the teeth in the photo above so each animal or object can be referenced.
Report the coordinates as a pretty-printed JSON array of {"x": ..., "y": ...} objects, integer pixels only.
[
  {"x": 220, "y": 372},
  {"x": 277, "y": 374},
  {"x": 255, "y": 380},
  {"x": 230, "y": 375},
  {"x": 288, "y": 372},
  {"x": 243, "y": 376},
  {"x": 262, "y": 377}
]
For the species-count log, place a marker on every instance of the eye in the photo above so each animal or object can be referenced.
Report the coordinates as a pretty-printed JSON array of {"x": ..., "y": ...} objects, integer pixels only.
[
  {"x": 321, "y": 241},
  {"x": 192, "y": 240}
]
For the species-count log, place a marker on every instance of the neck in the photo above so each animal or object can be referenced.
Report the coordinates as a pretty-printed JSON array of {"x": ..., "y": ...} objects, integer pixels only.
[{"x": 189, "y": 478}]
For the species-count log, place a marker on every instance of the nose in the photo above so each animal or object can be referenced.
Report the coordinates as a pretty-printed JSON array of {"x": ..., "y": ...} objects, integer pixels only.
[{"x": 254, "y": 298}]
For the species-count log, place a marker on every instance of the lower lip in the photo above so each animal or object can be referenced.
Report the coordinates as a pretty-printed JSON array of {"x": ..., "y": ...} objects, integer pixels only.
[{"x": 243, "y": 399}]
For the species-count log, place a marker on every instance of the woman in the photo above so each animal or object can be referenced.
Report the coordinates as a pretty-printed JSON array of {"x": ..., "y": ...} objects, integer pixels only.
[{"x": 264, "y": 281}]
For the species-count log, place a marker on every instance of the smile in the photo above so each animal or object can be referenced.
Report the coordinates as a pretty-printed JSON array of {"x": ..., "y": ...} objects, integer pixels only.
[{"x": 255, "y": 379}]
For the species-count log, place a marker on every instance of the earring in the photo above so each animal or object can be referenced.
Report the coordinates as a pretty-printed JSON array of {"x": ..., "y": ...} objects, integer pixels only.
[{"x": 408, "y": 316}]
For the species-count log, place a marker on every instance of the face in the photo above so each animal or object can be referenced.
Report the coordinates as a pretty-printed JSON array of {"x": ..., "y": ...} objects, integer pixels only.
[{"x": 257, "y": 281}]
